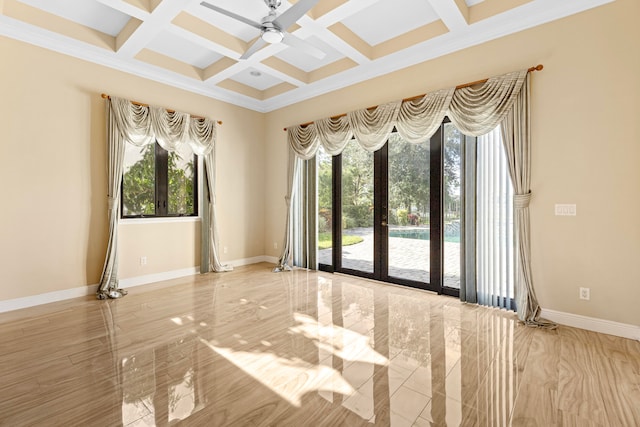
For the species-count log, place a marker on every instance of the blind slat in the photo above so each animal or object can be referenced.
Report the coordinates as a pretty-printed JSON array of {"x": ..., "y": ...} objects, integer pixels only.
[{"x": 495, "y": 244}]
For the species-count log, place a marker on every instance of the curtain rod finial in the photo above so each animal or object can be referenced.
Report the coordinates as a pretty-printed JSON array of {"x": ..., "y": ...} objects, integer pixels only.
[{"x": 539, "y": 67}]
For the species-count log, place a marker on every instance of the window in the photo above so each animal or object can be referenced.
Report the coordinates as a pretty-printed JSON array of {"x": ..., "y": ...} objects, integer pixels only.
[{"x": 159, "y": 183}]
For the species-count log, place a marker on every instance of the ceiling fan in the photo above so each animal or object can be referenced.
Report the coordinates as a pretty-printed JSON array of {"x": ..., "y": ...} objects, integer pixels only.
[{"x": 273, "y": 27}]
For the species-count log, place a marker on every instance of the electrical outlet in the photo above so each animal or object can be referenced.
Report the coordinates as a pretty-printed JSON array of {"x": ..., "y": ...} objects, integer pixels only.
[
  {"x": 585, "y": 294},
  {"x": 224, "y": 249},
  {"x": 143, "y": 260},
  {"x": 275, "y": 245}
]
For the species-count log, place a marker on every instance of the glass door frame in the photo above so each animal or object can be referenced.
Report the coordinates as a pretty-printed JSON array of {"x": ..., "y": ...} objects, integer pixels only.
[{"x": 380, "y": 216}]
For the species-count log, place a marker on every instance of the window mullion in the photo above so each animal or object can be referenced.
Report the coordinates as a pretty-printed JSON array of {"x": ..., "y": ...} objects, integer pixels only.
[{"x": 162, "y": 181}]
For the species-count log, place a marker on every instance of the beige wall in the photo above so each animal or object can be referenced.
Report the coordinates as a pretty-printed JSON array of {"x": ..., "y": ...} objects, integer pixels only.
[
  {"x": 53, "y": 223},
  {"x": 586, "y": 149}
]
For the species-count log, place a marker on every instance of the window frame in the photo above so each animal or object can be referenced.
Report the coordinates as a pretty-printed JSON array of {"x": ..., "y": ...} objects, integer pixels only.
[{"x": 161, "y": 189}]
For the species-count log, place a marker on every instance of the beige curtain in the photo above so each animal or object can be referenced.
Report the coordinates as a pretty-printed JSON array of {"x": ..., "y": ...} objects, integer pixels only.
[
  {"x": 293, "y": 173},
  {"x": 211, "y": 235},
  {"x": 142, "y": 125},
  {"x": 475, "y": 110},
  {"x": 419, "y": 119},
  {"x": 516, "y": 137},
  {"x": 371, "y": 127},
  {"x": 115, "y": 158},
  {"x": 334, "y": 134}
]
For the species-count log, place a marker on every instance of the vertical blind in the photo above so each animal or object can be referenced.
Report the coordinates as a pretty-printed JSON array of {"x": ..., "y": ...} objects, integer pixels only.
[{"x": 495, "y": 229}]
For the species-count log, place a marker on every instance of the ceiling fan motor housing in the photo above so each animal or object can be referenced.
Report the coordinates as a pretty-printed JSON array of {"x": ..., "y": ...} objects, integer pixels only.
[{"x": 273, "y": 4}]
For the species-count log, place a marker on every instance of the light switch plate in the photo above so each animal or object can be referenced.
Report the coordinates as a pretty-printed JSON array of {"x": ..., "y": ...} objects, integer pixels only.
[{"x": 565, "y": 210}]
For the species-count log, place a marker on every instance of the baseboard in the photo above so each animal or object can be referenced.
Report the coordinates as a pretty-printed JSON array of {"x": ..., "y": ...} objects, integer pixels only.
[
  {"x": 253, "y": 260},
  {"x": 593, "y": 324},
  {"x": 130, "y": 282},
  {"x": 46, "y": 298}
]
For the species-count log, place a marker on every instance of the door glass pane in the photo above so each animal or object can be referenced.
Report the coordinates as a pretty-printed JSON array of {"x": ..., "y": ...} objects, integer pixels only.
[
  {"x": 139, "y": 180},
  {"x": 408, "y": 209},
  {"x": 357, "y": 208},
  {"x": 325, "y": 206},
  {"x": 452, "y": 205}
]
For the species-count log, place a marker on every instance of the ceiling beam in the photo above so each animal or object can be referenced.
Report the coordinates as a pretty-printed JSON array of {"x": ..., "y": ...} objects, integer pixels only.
[{"x": 454, "y": 14}]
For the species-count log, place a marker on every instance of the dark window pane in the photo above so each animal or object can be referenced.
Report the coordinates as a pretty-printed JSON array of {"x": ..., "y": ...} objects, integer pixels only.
[
  {"x": 138, "y": 183},
  {"x": 181, "y": 188},
  {"x": 159, "y": 183}
]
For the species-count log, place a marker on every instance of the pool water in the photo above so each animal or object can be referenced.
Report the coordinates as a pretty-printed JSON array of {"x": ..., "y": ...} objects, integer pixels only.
[{"x": 421, "y": 234}]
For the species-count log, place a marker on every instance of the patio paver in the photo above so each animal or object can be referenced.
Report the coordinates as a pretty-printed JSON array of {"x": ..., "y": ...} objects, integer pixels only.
[{"x": 408, "y": 258}]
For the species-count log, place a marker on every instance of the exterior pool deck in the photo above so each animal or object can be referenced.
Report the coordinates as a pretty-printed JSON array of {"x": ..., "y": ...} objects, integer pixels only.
[{"x": 408, "y": 258}]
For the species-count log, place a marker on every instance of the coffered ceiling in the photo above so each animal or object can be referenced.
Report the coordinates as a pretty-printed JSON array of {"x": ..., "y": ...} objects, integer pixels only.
[{"x": 184, "y": 44}]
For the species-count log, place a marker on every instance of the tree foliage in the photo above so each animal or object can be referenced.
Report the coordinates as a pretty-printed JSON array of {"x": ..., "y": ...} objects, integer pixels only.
[
  {"x": 138, "y": 185},
  {"x": 409, "y": 176},
  {"x": 409, "y": 181},
  {"x": 181, "y": 188}
]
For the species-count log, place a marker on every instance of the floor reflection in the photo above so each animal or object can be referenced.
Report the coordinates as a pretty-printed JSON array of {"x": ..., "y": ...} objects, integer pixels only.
[
  {"x": 252, "y": 347},
  {"x": 309, "y": 345}
]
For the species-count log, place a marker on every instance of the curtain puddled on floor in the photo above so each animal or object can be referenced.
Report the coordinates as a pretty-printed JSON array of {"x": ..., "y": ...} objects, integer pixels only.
[
  {"x": 475, "y": 111},
  {"x": 142, "y": 125}
]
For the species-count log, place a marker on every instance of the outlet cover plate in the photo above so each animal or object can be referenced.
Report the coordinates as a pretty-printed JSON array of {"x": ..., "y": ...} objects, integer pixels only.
[{"x": 585, "y": 294}]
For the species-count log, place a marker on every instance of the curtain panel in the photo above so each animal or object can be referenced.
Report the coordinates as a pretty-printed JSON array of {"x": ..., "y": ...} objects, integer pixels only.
[
  {"x": 475, "y": 111},
  {"x": 143, "y": 125}
]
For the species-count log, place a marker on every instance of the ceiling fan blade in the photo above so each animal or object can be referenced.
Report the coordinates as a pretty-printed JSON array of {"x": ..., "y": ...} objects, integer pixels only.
[
  {"x": 232, "y": 15},
  {"x": 298, "y": 43},
  {"x": 295, "y": 12},
  {"x": 256, "y": 46}
]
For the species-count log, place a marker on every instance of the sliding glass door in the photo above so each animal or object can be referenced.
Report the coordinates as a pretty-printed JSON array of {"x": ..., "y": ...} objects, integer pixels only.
[{"x": 394, "y": 215}]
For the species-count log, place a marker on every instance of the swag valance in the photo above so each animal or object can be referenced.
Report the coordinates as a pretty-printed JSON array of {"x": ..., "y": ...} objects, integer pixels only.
[
  {"x": 475, "y": 110},
  {"x": 140, "y": 125}
]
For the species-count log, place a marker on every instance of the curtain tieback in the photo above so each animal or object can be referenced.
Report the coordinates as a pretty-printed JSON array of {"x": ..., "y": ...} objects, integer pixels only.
[
  {"x": 112, "y": 202},
  {"x": 521, "y": 201}
]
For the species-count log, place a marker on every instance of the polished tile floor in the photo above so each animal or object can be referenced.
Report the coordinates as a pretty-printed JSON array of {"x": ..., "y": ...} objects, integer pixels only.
[{"x": 251, "y": 347}]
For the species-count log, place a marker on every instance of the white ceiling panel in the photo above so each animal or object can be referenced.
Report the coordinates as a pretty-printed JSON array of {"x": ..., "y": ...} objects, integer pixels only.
[
  {"x": 473, "y": 2},
  {"x": 385, "y": 19},
  {"x": 169, "y": 44},
  {"x": 89, "y": 13},
  {"x": 261, "y": 82},
  {"x": 308, "y": 62}
]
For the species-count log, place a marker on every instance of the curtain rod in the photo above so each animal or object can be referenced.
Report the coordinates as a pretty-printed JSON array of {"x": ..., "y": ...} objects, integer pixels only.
[
  {"x": 538, "y": 67},
  {"x": 105, "y": 96}
]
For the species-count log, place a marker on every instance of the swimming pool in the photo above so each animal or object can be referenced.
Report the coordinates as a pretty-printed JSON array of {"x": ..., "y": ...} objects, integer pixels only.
[{"x": 421, "y": 234}]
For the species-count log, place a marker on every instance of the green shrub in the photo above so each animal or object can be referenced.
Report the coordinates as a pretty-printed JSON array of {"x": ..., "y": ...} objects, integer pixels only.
[
  {"x": 393, "y": 219},
  {"x": 403, "y": 217},
  {"x": 348, "y": 222}
]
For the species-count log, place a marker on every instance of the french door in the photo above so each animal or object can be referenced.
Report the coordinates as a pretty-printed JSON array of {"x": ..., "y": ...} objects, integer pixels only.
[{"x": 395, "y": 215}]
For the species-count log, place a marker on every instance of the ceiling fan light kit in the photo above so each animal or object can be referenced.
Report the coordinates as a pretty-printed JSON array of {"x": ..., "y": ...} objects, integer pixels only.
[{"x": 272, "y": 35}]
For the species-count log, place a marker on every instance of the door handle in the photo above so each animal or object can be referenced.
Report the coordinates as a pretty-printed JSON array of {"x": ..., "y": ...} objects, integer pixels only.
[{"x": 383, "y": 223}]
